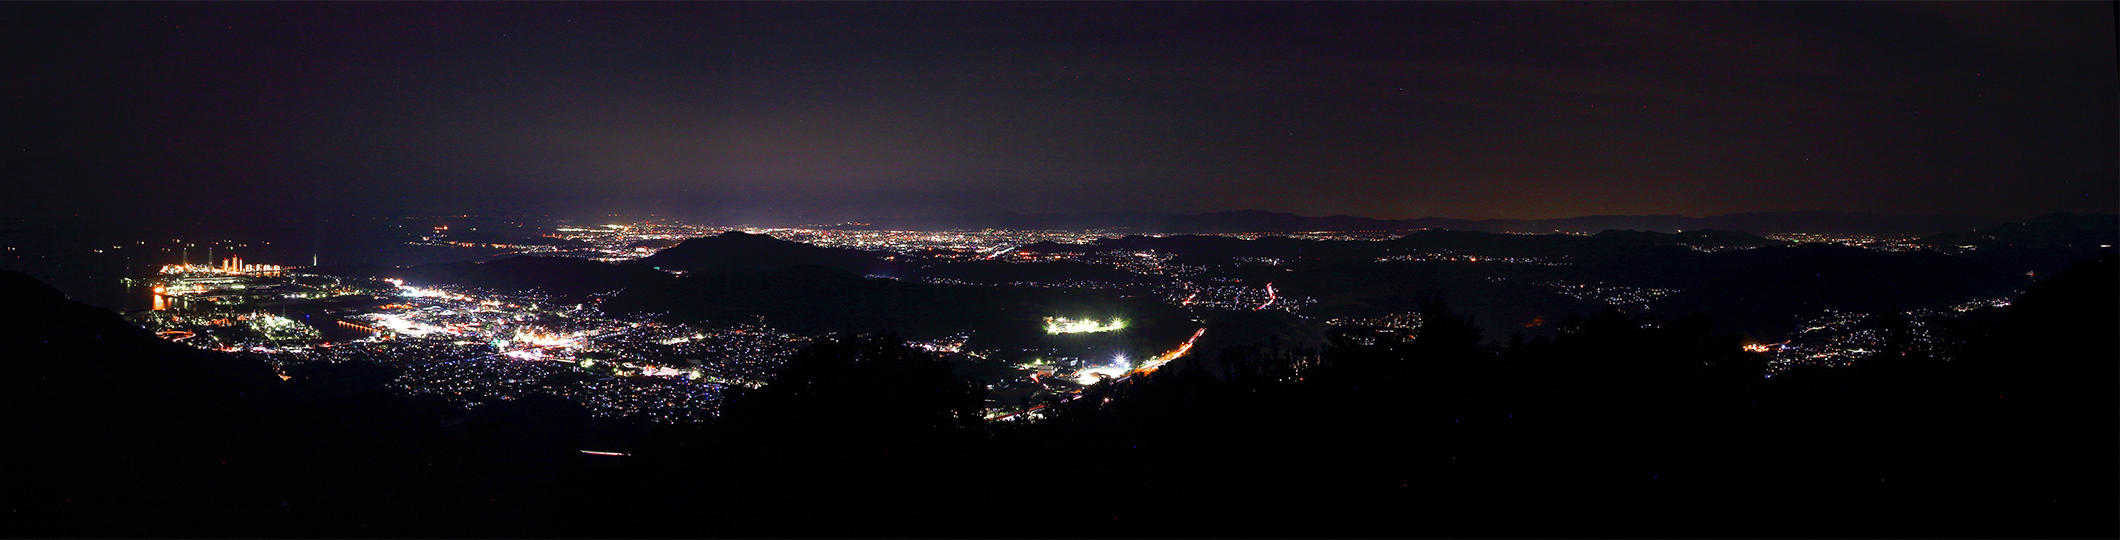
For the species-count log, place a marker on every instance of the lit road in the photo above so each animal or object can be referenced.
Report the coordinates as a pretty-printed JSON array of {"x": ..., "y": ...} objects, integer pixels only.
[
  {"x": 1271, "y": 296},
  {"x": 1148, "y": 367}
]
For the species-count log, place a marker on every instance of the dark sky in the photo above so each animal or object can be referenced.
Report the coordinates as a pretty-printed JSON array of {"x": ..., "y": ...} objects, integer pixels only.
[{"x": 1522, "y": 110}]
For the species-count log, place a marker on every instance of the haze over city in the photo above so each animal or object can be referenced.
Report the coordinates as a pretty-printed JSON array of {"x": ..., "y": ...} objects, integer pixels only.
[{"x": 754, "y": 110}]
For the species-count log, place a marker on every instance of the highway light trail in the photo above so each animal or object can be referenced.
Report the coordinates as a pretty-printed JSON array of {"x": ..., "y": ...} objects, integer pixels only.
[
  {"x": 1270, "y": 298},
  {"x": 1148, "y": 367},
  {"x": 1165, "y": 358}
]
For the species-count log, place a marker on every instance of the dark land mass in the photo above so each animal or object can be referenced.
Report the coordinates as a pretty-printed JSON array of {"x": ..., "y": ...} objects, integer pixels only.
[
  {"x": 1000, "y": 272},
  {"x": 1263, "y": 329},
  {"x": 2060, "y": 231},
  {"x": 1757, "y": 286},
  {"x": 1763, "y": 291},
  {"x": 1619, "y": 425},
  {"x": 128, "y": 435},
  {"x": 1240, "y": 221},
  {"x": 1754, "y": 222},
  {"x": 736, "y": 252},
  {"x": 1750, "y": 284},
  {"x": 655, "y": 244},
  {"x": 487, "y": 238},
  {"x": 554, "y": 275},
  {"x": 1376, "y": 289},
  {"x": 80, "y": 257},
  {"x": 559, "y": 276},
  {"x": 811, "y": 299},
  {"x": 815, "y": 300},
  {"x": 2045, "y": 244},
  {"x": 1428, "y": 241}
]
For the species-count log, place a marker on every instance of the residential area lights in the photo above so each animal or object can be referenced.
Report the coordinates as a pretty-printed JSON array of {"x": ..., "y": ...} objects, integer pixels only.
[{"x": 1064, "y": 325}]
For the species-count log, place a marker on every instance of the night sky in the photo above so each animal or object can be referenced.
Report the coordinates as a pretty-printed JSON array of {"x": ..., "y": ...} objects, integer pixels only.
[{"x": 1392, "y": 110}]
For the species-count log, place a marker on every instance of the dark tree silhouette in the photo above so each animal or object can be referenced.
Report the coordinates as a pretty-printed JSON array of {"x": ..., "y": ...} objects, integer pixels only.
[{"x": 863, "y": 383}]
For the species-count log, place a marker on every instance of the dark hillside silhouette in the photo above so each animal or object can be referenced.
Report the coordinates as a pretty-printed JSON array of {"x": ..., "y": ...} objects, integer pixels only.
[
  {"x": 1619, "y": 425},
  {"x": 1759, "y": 291},
  {"x": 861, "y": 384},
  {"x": 816, "y": 300},
  {"x": 2044, "y": 245},
  {"x": 735, "y": 252},
  {"x": 110, "y": 420},
  {"x": 2056, "y": 231}
]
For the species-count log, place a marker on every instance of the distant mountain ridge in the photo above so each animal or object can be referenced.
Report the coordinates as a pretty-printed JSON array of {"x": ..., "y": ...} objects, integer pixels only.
[
  {"x": 2056, "y": 231},
  {"x": 1237, "y": 221}
]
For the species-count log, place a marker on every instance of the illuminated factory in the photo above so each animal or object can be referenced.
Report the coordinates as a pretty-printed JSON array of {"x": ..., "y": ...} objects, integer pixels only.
[
  {"x": 233, "y": 265},
  {"x": 190, "y": 286}
]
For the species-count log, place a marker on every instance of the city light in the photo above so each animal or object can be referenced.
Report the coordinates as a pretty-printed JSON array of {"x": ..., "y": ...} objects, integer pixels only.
[
  {"x": 1271, "y": 296},
  {"x": 1095, "y": 374},
  {"x": 475, "y": 345},
  {"x": 1064, "y": 325}
]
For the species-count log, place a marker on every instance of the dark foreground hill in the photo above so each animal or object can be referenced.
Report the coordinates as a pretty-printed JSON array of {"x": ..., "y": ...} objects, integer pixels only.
[
  {"x": 1620, "y": 425},
  {"x": 117, "y": 433}
]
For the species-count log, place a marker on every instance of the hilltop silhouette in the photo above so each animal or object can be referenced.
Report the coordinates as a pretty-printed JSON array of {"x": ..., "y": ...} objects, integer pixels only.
[{"x": 736, "y": 252}]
